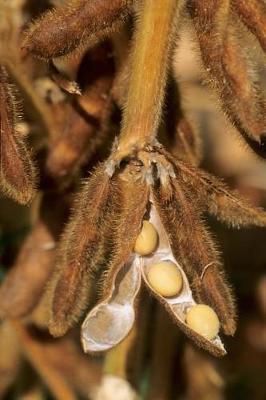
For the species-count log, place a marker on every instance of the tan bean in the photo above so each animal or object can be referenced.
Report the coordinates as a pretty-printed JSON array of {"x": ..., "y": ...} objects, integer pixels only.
[
  {"x": 203, "y": 320},
  {"x": 165, "y": 278},
  {"x": 147, "y": 240}
]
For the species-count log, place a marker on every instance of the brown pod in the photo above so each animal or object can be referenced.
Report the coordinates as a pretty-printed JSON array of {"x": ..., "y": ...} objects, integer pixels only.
[
  {"x": 82, "y": 248},
  {"x": 181, "y": 138},
  {"x": 182, "y": 300},
  {"x": 120, "y": 282},
  {"x": 215, "y": 197},
  {"x": 62, "y": 30},
  {"x": 230, "y": 72},
  {"x": 253, "y": 15},
  {"x": 24, "y": 284},
  {"x": 17, "y": 174},
  {"x": 194, "y": 248},
  {"x": 134, "y": 198}
]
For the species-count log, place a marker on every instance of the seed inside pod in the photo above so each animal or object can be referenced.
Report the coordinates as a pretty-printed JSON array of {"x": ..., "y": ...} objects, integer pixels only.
[
  {"x": 165, "y": 278},
  {"x": 203, "y": 320},
  {"x": 147, "y": 240}
]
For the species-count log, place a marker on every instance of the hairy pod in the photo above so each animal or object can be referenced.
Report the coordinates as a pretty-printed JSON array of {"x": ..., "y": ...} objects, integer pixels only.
[
  {"x": 78, "y": 257},
  {"x": 120, "y": 282},
  {"x": 181, "y": 138},
  {"x": 194, "y": 250},
  {"x": 229, "y": 70},
  {"x": 62, "y": 30},
  {"x": 17, "y": 174},
  {"x": 253, "y": 15},
  {"x": 216, "y": 198}
]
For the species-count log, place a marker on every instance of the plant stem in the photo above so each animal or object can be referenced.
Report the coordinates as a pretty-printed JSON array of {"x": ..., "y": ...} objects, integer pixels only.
[{"x": 149, "y": 60}]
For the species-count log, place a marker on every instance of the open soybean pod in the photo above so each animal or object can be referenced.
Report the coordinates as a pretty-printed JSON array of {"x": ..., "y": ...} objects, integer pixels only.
[
  {"x": 109, "y": 322},
  {"x": 177, "y": 305},
  {"x": 113, "y": 317}
]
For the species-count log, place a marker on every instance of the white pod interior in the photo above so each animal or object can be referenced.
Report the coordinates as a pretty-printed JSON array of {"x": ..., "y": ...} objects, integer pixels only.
[{"x": 109, "y": 322}]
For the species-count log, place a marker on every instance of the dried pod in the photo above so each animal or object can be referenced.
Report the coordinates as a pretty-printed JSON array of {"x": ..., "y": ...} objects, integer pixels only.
[
  {"x": 71, "y": 283},
  {"x": 109, "y": 322},
  {"x": 112, "y": 318},
  {"x": 24, "y": 284},
  {"x": 253, "y": 15},
  {"x": 101, "y": 237},
  {"x": 229, "y": 71},
  {"x": 121, "y": 279},
  {"x": 120, "y": 85},
  {"x": 77, "y": 23},
  {"x": 216, "y": 198},
  {"x": 68, "y": 151},
  {"x": 94, "y": 243},
  {"x": 182, "y": 223},
  {"x": 176, "y": 305},
  {"x": 180, "y": 137},
  {"x": 134, "y": 197},
  {"x": 17, "y": 175}
]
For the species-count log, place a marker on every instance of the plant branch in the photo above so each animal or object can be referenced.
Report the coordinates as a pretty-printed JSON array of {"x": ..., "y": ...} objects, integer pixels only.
[{"x": 151, "y": 49}]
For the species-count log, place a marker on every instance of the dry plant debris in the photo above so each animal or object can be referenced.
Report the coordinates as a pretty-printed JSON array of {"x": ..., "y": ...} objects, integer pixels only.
[{"x": 108, "y": 101}]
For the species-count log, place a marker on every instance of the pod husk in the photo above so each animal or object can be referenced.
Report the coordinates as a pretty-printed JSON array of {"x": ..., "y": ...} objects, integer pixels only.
[
  {"x": 212, "y": 195},
  {"x": 193, "y": 247},
  {"x": 110, "y": 321},
  {"x": 17, "y": 174},
  {"x": 80, "y": 252},
  {"x": 176, "y": 305}
]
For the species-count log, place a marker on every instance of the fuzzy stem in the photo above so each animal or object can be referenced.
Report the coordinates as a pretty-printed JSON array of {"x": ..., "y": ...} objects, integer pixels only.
[{"x": 151, "y": 49}]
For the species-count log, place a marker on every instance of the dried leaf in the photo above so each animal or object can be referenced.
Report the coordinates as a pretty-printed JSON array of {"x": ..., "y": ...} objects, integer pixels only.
[
  {"x": 35, "y": 353},
  {"x": 65, "y": 356}
]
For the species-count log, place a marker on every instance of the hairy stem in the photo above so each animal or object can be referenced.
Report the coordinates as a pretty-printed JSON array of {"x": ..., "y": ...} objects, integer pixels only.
[{"x": 151, "y": 49}]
